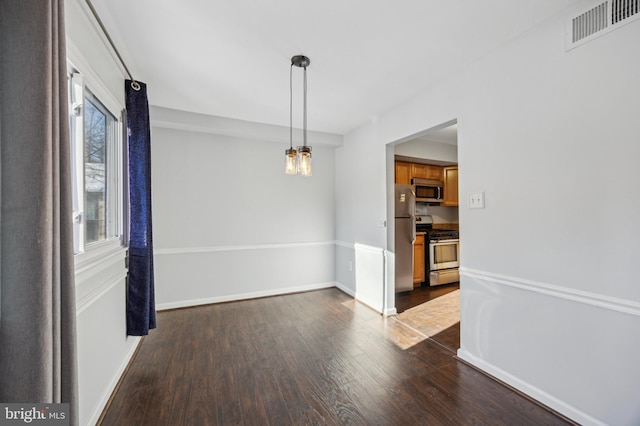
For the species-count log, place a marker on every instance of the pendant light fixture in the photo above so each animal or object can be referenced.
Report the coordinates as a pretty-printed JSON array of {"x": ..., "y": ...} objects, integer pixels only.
[{"x": 298, "y": 161}]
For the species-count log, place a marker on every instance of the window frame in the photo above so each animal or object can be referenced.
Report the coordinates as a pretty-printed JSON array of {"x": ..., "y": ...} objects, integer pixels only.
[{"x": 81, "y": 87}]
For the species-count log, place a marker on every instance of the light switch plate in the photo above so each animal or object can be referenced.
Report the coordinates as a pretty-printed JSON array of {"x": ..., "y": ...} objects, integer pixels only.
[{"x": 476, "y": 200}]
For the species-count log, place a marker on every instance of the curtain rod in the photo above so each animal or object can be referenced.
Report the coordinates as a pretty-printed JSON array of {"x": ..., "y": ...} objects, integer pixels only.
[{"x": 134, "y": 83}]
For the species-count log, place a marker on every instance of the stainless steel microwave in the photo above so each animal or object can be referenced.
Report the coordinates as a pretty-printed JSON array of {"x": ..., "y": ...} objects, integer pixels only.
[{"x": 428, "y": 190}]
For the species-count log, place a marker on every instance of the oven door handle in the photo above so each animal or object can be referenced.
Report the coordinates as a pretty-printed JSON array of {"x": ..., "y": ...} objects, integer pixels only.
[{"x": 439, "y": 242}]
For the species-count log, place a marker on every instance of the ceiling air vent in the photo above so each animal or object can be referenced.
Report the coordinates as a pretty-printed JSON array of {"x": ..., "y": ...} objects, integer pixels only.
[
  {"x": 589, "y": 23},
  {"x": 623, "y": 9},
  {"x": 600, "y": 19}
]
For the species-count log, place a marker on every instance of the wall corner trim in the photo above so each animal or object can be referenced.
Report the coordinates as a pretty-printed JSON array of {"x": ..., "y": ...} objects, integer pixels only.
[
  {"x": 345, "y": 244},
  {"x": 210, "y": 249},
  {"x": 602, "y": 301}
]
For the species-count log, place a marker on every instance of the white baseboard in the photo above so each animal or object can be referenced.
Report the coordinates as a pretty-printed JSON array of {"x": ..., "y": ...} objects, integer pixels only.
[
  {"x": 346, "y": 290},
  {"x": 390, "y": 312},
  {"x": 116, "y": 378},
  {"x": 530, "y": 390},
  {"x": 242, "y": 296}
]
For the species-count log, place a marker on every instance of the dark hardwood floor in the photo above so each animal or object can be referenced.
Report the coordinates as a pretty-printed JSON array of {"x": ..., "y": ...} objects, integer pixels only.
[{"x": 315, "y": 358}]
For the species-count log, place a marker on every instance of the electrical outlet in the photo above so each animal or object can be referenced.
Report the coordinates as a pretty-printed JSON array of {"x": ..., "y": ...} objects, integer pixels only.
[{"x": 476, "y": 200}]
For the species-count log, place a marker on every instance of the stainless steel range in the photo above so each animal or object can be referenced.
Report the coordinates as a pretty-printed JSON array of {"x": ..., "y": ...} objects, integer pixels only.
[{"x": 443, "y": 255}]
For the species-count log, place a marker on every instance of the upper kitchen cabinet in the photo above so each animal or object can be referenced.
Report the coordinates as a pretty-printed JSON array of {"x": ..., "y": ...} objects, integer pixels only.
[
  {"x": 426, "y": 171},
  {"x": 406, "y": 171},
  {"x": 450, "y": 186},
  {"x": 403, "y": 172}
]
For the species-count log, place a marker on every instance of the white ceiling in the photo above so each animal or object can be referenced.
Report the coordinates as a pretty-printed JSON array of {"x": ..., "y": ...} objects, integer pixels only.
[
  {"x": 231, "y": 58},
  {"x": 448, "y": 135}
]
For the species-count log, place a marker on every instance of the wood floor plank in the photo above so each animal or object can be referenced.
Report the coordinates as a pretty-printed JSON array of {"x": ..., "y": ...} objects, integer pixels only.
[{"x": 315, "y": 358}]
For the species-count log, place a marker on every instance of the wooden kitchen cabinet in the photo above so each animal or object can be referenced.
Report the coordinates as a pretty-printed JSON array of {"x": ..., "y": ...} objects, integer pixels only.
[
  {"x": 403, "y": 172},
  {"x": 418, "y": 261},
  {"x": 406, "y": 171},
  {"x": 426, "y": 171},
  {"x": 450, "y": 186}
]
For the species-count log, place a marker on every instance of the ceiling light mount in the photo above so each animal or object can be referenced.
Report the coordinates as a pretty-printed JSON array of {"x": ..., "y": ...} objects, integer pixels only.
[{"x": 300, "y": 61}]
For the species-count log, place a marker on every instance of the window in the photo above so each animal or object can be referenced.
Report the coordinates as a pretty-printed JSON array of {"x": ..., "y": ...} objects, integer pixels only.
[
  {"x": 96, "y": 172},
  {"x": 96, "y": 123}
]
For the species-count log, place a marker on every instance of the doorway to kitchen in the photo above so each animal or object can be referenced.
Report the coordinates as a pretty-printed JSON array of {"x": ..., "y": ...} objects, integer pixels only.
[{"x": 427, "y": 163}]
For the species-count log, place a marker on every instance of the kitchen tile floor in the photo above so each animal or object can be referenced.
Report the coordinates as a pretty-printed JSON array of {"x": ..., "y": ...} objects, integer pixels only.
[
  {"x": 430, "y": 312},
  {"x": 409, "y": 299},
  {"x": 433, "y": 317}
]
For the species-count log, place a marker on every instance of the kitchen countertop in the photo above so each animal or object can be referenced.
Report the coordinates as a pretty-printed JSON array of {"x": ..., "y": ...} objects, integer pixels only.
[{"x": 447, "y": 226}]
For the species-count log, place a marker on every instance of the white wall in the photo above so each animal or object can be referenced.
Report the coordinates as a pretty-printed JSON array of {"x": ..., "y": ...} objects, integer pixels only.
[
  {"x": 228, "y": 223},
  {"x": 103, "y": 346},
  {"x": 361, "y": 214},
  {"x": 104, "y": 349},
  {"x": 550, "y": 301}
]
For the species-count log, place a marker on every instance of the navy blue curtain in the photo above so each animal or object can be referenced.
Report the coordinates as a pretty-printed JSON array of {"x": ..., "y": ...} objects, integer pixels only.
[{"x": 141, "y": 309}]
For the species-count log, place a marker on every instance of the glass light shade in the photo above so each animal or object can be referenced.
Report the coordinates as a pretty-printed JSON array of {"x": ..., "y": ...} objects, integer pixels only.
[
  {"x": 291, "y": 165},
  {"x": 304, "y": 160}
]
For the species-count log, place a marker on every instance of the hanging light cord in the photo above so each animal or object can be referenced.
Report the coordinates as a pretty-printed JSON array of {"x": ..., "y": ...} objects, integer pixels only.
[
  {"x": 304, "y": 111},
  {"x": 304, "y": 108},
  {"x": 291, "y": 106}
]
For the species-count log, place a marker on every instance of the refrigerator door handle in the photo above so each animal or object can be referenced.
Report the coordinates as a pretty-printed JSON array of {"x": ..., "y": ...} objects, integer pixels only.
[
  {"x": 413, "y": 229},
  {"x": 412, "y": 215}
]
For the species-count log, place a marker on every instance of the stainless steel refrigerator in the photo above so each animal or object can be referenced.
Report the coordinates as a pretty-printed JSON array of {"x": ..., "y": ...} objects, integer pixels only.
[{"x": 405, "y": 230}]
